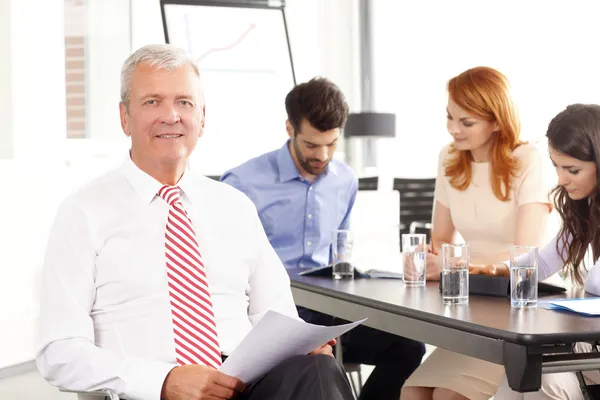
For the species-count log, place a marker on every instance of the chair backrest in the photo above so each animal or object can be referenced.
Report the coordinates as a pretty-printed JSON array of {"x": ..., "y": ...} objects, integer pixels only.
[
  {"x": 416, "y": 200},
  {"x": 215, "y": 177},
  {"x": 370, "y": 183},
  {"x": 95, "y": 395}
]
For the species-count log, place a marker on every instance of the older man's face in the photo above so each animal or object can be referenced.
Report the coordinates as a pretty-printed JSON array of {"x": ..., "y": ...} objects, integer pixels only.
[{"x": 165, "y": 115}]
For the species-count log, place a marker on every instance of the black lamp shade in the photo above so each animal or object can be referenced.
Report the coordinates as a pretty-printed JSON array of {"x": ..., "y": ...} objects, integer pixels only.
[{"x": 370, "y": 125}]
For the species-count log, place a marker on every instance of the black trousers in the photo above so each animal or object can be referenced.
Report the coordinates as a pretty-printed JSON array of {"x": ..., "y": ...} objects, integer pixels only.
[
  {"x": 317, "y": 377},
  {"x": 395, "y": 358}
]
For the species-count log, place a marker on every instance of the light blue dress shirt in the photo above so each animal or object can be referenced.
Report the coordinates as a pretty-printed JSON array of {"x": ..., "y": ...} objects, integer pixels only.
[{"x": 297, "y": 215}]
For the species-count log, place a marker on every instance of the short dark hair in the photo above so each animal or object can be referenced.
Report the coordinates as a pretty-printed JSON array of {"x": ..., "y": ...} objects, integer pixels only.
[
  {"x": 320, "y": 102},
  {"x": 575, "y": 132}
]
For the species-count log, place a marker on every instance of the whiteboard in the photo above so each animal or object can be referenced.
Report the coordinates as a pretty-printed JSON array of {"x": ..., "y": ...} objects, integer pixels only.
[{"x": 247, "y": 71}]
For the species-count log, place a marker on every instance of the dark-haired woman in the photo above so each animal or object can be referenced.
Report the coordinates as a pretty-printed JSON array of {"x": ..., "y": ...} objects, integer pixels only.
[{"x": 574, "y": 146}]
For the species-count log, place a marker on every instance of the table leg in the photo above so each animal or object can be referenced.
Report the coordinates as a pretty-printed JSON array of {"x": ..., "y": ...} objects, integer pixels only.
[{"x": 523, "y": 368}]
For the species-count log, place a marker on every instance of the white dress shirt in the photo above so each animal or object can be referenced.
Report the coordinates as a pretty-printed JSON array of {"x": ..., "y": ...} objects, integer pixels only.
[{"x": 105, "y": 318}]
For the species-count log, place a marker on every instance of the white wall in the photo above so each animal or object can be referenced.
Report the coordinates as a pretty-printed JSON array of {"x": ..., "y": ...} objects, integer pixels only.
[
  {"x": 108, "y": 45},
  {"x": 35, "y": 118},
  {"x": 41, "y": 167},
  {"x": 339, "y": 51},
  {"x": 37, "y": 75},
  {"x": 6, "y": 135}
]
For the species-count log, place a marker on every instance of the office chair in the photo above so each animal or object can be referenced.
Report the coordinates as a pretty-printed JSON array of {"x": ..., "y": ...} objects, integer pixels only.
[
  {"x": 98, "y": 394},
  {"x": 419, "y": 225},
  {"x": 416, "y": 204},
  {"x": 351, "y": 370},
  {"x": 355, "y": 377},
  {"x": 590, "y": 392},
  {"x": 370, "y": 183}
]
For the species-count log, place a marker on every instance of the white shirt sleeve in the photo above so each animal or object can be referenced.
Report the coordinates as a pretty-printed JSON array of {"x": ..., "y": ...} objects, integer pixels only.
[
  {"x": 550, "y": 262},
  {"x": 269, "y": 280},
  {"x": 66, "y": 354},
  {"x": 592, "y": 281}
]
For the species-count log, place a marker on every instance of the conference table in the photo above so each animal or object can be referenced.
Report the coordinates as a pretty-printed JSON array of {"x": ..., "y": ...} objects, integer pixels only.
[{"x": 527, "y": 342}]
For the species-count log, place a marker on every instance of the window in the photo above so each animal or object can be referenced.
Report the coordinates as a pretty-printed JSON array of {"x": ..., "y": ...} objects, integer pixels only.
[
  {"x": 75, "y": 71},
  {"x": 545, "y": 48},
  {"x": 97, "y": 41}
]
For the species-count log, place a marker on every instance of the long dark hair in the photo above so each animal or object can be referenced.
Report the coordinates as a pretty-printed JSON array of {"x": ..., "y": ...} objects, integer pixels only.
[{"x": 575, "y": 132}]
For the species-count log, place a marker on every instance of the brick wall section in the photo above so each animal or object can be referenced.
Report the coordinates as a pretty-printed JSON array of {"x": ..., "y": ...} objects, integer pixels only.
[{"x": 75, "y": 48}]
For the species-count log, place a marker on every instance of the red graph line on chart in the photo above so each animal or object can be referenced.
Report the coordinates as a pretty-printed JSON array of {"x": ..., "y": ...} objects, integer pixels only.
[{"x": 230, "y": 46}]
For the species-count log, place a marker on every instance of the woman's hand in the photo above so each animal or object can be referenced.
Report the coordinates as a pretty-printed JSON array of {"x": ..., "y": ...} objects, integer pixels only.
[
  {"x": 488, "y": 269},
  {"x": 434, "y": 265}
]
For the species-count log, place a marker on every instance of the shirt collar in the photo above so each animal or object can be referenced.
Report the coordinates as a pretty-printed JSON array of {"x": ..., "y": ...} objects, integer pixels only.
[
  {"x": 288, "y": 170},
  {"x": 187, "y": 185},
  {"x": 332, "y": 167},
  {"x": 146, "y": 186}
]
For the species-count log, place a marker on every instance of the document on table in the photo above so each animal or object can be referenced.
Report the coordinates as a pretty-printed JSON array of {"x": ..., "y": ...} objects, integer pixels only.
[
  {"x": 326, "y": 270},
  {"x": 587, "y": 306},
  {"x": 275, "y": 338}
]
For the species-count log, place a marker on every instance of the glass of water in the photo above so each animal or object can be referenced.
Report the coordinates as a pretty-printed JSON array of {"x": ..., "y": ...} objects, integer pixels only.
[
  {"x": 414, "y": 252},
  {"x": 342, "y": 242},
  {"x": 455, "y": 273},
  {"x": 523, "y": 276}
]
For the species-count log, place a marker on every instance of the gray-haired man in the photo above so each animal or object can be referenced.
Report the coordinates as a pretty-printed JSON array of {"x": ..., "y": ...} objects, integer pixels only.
[{"x": 142, "y": 294}]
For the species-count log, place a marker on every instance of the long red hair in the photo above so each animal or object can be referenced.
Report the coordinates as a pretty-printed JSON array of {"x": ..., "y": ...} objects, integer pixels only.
[{"x": 485, "y": 93}]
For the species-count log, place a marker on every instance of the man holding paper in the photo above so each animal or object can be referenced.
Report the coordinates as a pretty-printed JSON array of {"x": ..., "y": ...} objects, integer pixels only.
[
  {"x": 302, "y": 195},
  {"x": 153, "y": 275}
]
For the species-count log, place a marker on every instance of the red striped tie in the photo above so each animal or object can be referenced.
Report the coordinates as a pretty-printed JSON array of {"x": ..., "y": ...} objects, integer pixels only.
[{"x": 194, "y": 327}]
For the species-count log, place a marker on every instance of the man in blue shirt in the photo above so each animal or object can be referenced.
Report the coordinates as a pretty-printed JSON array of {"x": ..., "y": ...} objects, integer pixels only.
[{"x": 302, "y": 195}]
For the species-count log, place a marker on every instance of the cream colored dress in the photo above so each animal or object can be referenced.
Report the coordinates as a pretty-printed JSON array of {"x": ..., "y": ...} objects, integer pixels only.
[{"x": 488, "y": 225}]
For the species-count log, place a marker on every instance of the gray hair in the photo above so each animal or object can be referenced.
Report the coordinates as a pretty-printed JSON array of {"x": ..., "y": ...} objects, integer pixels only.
[{"x": 162, "y": 56}]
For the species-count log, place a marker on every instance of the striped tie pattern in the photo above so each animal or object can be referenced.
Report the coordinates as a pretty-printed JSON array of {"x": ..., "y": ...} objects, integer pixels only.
[{"x": 194, "y": 327}]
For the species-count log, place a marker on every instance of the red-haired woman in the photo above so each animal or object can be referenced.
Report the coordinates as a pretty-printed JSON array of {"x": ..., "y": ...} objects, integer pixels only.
[{"x": 490, "y": 190}]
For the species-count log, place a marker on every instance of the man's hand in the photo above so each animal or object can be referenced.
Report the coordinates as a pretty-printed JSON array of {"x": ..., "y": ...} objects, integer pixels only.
[
  {"x": 197, "y": 382},
  {"x": 326, "y": 349}
]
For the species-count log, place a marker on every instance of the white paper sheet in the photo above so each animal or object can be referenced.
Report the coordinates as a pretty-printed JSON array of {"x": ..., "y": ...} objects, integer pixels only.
[
  {"x": 274, "y": 339},
  {"x": 589, "y": 306}
]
